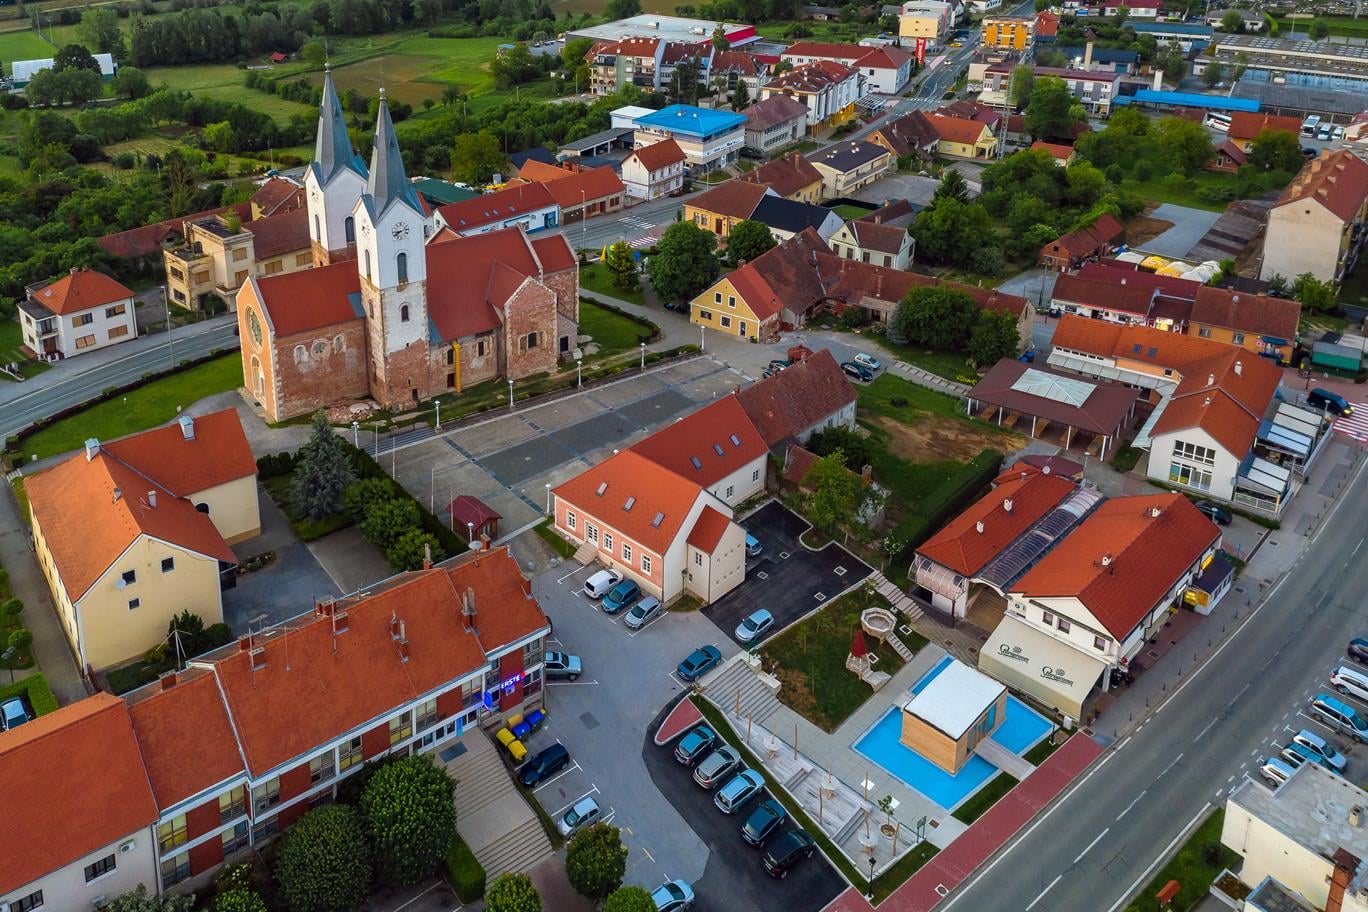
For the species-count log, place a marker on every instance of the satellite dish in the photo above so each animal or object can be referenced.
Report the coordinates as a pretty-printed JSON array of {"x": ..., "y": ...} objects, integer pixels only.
[{"x": 119, "y": 583}]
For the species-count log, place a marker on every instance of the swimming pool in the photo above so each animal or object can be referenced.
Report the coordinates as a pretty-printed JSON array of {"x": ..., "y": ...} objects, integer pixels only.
[{"x": 1021, "y": 728}]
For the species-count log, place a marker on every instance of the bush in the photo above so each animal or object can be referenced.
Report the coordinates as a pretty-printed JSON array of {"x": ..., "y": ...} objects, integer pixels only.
[
  {"x": 412, "y": 548},
  {"x": 629, "y": 899},
  {"x": 125, "y": 161},
  {"x": 386, "y": 520},
  {"x": 36, "y": 688},
  {"x": 21, "y": 639},
  {"x": 853, "y": 318},
  {"x": 361, "y": 494},
  {"x": 464, "y": 871},
  {"x": 1143, "y": 170},
  {"x": 324, "y": 864},
  {"x": 239, "y": 900},
  {"x": 946, "y": 500},
  {"x": 512, "y": 893},
  {"x": 596, "y": 861},
  {"x": 410, "y": 812},
  {"x": 11, "y": 605}
]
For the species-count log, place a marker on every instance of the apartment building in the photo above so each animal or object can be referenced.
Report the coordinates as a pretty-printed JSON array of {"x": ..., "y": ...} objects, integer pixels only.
[
  {"x": 1318, "y": 223},
  {"x": 1009, "y": 33},
  {"x": 828, "y": 89},
  {"x": 709, "y": 139},
  {"x": 221, "y": 253}
]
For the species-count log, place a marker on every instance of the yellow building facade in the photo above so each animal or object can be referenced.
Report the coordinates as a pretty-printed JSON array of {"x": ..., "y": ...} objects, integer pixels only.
[
  {"x": 1008, "y": 33},
  {"x": 721, "y": 308}
]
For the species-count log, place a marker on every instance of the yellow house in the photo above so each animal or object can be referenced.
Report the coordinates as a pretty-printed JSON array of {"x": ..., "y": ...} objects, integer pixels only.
[
  {"x": 131, "y": 533},
  {"x": 718, "y": 210},
  {"x": 960, "y": 137},
  {"x": 1008, "y": 33},
  {"x": 752, "y": 300},
  {"x": 221, "y": 253},
  {"x": 790, "y": 176},
  {"x": 723, "y": 307}
]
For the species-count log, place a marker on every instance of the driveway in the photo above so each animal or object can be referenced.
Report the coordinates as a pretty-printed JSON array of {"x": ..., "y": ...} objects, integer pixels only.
[
  {"x": 1189, "y": 226},
  {"x": 787, "y": 579},
  {"x": 911, "y": 187},
  {"x": 287, "y": 587}
]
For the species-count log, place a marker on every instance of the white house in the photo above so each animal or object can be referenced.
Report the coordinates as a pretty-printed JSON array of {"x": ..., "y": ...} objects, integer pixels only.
[
  {"x": 529, "y": 206},
  {"x": 651, "y": 172},
  {"x": 709, "y": 139},
  {"x": 828, "y": 89},
  {"x": 80, "y": 312},
  {"x": 885, "y": 68},
  {"x": 871, "y": 241}
]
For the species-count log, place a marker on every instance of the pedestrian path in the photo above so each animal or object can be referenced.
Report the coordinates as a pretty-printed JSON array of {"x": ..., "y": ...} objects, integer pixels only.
[
  {"x": 927, "y": 379},
  {"x": 900, "y": 600},
  {"x": 1356, "y": 425}
]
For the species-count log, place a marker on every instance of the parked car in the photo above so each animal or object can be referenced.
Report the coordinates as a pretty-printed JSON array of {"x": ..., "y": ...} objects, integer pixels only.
[
  {"x": 623, "y": 595},
  {"x": 643, "y": 612},
  {"x": 1214, "y": 512},
  {"x": 13, "y": 713},
  {"x": 868, "y": 361},
  {"x": 1027, "y": 357},
  {"x": 1350, "y": 681},
  {"x": 717, "y": 766},
  {"x": 763, "y": 821},
  {"x": 753, "y": 547},
  {"x": 773, "y": 368},
  {"x": 1276, "y": 772},
  {"x": 693, "y": 746},
  {"x": 1294, "y": 755},
  {"x": 544, "y": 765},
  {"x": 1326, "y": 401},
  {"x": 562, "y": 665},
  {"x": 597, "y": 586},
  {"x": 784, "y": 853},
  {"x": 1340, "y": 716},
  {"x": 1322, "y": 748},
  {"x": 858, "y": 371},
  {"x": 698, "y": 663},
  {"x": 738, "y": 790},
  {"x": 674, "y": 896},
  {"x": 1358, "y": 649},
  {"x": 584, "y": 812},
  {"x": 754, "y": 627}
]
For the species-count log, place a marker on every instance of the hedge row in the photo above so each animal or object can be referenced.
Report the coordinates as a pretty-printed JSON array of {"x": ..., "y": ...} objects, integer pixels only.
[
  {"x": 653, "y": 331},
  {"x": 465, "y": 872},
  {"x": 952, "y": 496},
  {"x": 39, "y": 693}
]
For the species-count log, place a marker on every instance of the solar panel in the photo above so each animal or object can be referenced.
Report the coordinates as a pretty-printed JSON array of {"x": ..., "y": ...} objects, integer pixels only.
[{"x": 1014, "y": 560}]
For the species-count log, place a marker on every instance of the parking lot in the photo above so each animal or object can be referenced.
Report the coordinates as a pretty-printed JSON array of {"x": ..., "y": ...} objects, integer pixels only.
[{"x": 786, "y": 579}]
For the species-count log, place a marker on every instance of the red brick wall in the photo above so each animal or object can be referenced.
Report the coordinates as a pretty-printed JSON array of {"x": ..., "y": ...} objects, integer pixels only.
[
  {"x": 449, "y": 704},
  {"x": 254, "y": 355},
  {"x": 395, "y": 376},
  {"x": 509, "y": 665},
  {"x": 322, "y": 256},
  {"x": 566, "y": 286},
  {"x": 202, "y": 819},
  {"x": 531, "y": 309},
  {"x": 293, "y": 813},
  {"x": 308, "y": 384},
  {"x": 206, "y": 855},
  {"x": 294, "y": 782},
  {"x": 475, "y": 368},
  {"x": 375, "y": 742}
]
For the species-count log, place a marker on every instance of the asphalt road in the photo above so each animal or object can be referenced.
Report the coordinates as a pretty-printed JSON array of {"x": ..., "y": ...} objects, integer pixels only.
[
  {"x": 1103, "y": 840},
  {"x": 33, "y": 401}
]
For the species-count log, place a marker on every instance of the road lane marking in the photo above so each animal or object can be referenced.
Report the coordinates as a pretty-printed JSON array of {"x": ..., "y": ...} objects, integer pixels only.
[
  {"x": 1124, "y": 743},
  {"x": 1091, "y": 844},
  {"x": 1206, "y": 728},
  {"x": 1171, "y": 766},
  {"x": 1042, "y": 893},
  {"x": 1133, "y": 803},
  {"x": 1356, "y": 547},
  {"x": 1145, "y": 875}
]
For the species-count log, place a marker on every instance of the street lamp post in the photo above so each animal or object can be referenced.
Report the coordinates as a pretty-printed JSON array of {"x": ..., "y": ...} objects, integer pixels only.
[
  {"x": 579, "y": 373},
  {"x": 584, "y": 218},
  {"x": 170, "y": 340},
  {"x": 643, "y": 355},
  {"x": 470, "y": 534},
  {"x": 702, "y": 338},
  {"x": 8, "y": 655},
  {"x": 548, "y": 498},
  {"x": 356, "y": 434},
  {"x": 439, "y": 413},
  {"x": 510, "y": 395},
  {"x": 870, "y": 894}
]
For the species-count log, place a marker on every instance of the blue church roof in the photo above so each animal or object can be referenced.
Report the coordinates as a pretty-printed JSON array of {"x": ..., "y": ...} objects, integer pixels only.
[{"x": 691, "y": 120}]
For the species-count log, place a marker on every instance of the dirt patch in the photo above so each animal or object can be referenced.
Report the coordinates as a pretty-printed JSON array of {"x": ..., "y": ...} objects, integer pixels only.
[
  {"x": 1143, "y": 228},
  {"x": 939, "y": 439}
]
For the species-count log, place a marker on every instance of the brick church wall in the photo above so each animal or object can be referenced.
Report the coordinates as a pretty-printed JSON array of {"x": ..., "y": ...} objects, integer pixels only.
[
  {"x": 532, "y": 308},
  {"x": 566, "y": 286},
  {"x": 319, "y": 368},
  {"x": 475, "y": 367}
]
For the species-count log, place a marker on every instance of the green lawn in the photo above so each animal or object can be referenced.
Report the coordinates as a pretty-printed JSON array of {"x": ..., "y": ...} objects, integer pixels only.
[
  {"x": 901, "y": 399},
  {"x": 1041, "y": 752},
  {"x": 148, "y": 406},
  {"x": 556, "y": 543},
  {"x": 1347, "y": 26},
  {"x": 1160, "y": 191},
  {"x": 1194, "y": 866},
  {"x": 905, "y": 867},
  {"x": 947, "y": 364},
  {"x": 23, "y": 46},
  {"x": 985, "y": 798},
  {"x": 224, "y": 82},
  {"x": 11, "y": 338},
  {"x": 848, "y": 212},
  {"x": 595, "y": 278},
  {"x": 614, "y": 332},
  {"x": 810, "y": 659}
]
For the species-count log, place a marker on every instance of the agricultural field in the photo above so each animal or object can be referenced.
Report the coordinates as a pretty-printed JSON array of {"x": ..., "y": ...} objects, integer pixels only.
[
  {"x": 22, "y": 46},
  {"x": 224, "y": 81}
]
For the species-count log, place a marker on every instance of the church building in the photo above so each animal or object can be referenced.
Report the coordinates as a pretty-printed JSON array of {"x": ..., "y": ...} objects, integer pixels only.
[{"x": 391, "y": 310}]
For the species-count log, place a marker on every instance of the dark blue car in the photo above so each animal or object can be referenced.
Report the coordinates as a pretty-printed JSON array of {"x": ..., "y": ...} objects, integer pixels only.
[
  {"x": 700, "y": 662},
  {"x": 624, "y": 595}
]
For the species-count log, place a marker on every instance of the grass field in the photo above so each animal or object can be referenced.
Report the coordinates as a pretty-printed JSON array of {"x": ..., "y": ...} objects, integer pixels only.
[
  {"x": 1194, "y": 866},
  {"x": 224, "y": 81},
  {"x": 595, "y": 278},
  {"x": 146, "y": 407},
  {"x": 613, "y": 332},
  {"x": 23, "y": 46},
  {"x": 1352, "y": 28}
]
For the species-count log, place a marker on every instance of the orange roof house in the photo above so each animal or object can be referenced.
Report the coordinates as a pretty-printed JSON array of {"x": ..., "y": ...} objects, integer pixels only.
[
  {"x": 1094, "y": 240},
  {"x": 81, "y": 290},
  {"x": 805, "y": 397},
  {"x": 580, "y": 192},
  {"x": 1245, "y": 127},
  {"x": 1313, "y": 227}
]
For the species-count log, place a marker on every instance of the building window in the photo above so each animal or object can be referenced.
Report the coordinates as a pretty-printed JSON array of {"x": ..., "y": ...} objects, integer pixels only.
[
  {"x": 320, "y": 349},
  {"x": 1204, "y": 332},
  {"x": 301, "y": 354},
  {"x": 730, "y": 490},
  {"x": 717, "y": 297},
  {"x": 401, "y": 728},
  {"x": 368, "y": 268},
  {"x": 99, "y": 868},
  {"x": 570, "y": 519},
  {"x": 318, "y": 234},
  {"x": 726, "y": 322},
  {"x": 172, "y": 833},
  {"x": 118, "y": 332},
  {"x": 84, "y": 319},
  {"x": 626, "y": 552},
  {"x": 1238, "y": 338},
  {"x": 1063, "y": 625},
  {"x": 266, "y": 828},
  {"x": 731, "y": 300},
  {"x": 349, "y": 229},
  {"x": 339, "y": 344},
  {"x": 85, "y": 341},
  {"x": 174, "y": 870},
  {"x": 303, "y": 259},
  {"x": 1194, "y": 453},
  {"x": 401, "y": 266},
  {"x": 591, "y": 532},
  {"x": 481, "y": 348},
  {"x": 349, "y": 754},
  {"x": 130, "y": 577},
  {"x": 232, "y": 803},
  {"x": 532, "y": 654},
  {"x": 134, "y": 603},
  {"x": 235, "y": 839},
  {"x": 403, "y": 313},
  {"x": 705, "y": 315},
  {"x": 178, "y": 295},
  {"x": 451, "y": 381},
  {"x": 168, "y": 564},
  {"x": 116, "y": 310},
  {"x": 274, "y": 267},
  {"x": 1100, "y": 643},
  {"x": 240, "y": 254},
  {"x": 1189, "y": 476},
  {"x": 1048, "y": 618},
  {"x": 608, "y": 542},
  {"x": 322, "y": 768},
  {"x": 532, "y": 340},
  {"x": 471, "y": 693},
  {"x": 266, "y": 796},
  {"x": 645, "y": 563},
  {"x": 755, "y": 475},
  {"x": 28, "y": 903},
  {"x": 427, "y": 714}
]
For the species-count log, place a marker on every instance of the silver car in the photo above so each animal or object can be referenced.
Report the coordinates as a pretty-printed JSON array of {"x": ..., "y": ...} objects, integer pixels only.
[
  {"x": 585, "y": 812},
  {"x": 716, "y": 766},
  {"x": 754, "y": 627},
  {"x": 643, "y": 612}
]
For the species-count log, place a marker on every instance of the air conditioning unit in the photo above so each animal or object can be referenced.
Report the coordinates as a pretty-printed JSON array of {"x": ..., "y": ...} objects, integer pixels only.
[
  {"x": 99, "y": 902},
  {"x": 128, "y": 845}
]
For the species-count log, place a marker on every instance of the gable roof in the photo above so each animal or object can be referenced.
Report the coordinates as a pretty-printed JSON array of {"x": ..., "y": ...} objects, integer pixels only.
[
  {"x": 1250, "y": 313},
  {"x": 74, "y": 783},
  {"x": 1337, "y": 180},
  {"x": 785, "y": 274},
  {"x": 708, "y": 529},
  {"x": 735, "y": 198},
  {"x": 1226, "y": 395},
  {"x": 962, "y": 547},
  {"x": 80, "y": 290},
  {"x": 273, "y": 235},
  {"x": 851, "y": 281},
  {"x": 1056, "y": 150},
  {"x": 660, "y": 499},
  {"x": 847, "y": 155},
  {"x": 513, "y": 200},
  {"x": 659, "y": 155},
  {"x": 707, "y": 445},
  {"x": 148, "y": 239},
  {"x": 811, "y": 78},
  {"x": 911, "y": 133},
  {"x": 791, "y": 215},
  {"x": 773, "y": 111},
  {"x": 829, "y": 50},
  {"x": 576, "y": 188},
  {"x": 740, "y": 62},
  {"x": 896, "y": 212},
  {"x": 957, "y": 129},
  {"x": 786, "y": 174},
  {"x": 216, "y": 454},
  {"x": 1121, "y": 560},
  {"x": 1127, "y": 298},
  {"x": 1084, "y": 241},
  {"x": 800, "y": 396},
  {"x": 297, "y": 302},
  {"x": 1115, "y": 272},
  {"x": 1249, "y": 124},
  {"x": 278, "y": 195},
  {"x": 871, "y": 235},
  {"x": 184, "y": 735}
]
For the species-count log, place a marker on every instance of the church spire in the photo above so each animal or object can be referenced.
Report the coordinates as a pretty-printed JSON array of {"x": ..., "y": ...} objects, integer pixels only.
[
  {"x": 387, "y": 181},
  {"x": 333, "y": 149}
]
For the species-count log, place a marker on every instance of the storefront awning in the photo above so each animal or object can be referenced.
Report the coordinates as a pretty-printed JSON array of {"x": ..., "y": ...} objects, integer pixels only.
[{"x": 1035, "y": 663}]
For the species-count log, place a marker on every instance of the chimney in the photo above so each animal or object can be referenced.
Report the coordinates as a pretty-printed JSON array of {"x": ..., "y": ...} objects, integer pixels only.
[
  {"x": 187, "y": 426},
  {"x": 168, "y": 680},
  {"x": 427, "y": 556},
  {"x": 1007, "y": 505},
  {"x": 1346, "y": 863},
  {"x": 1106, "y": 560},
  {"x": 395, "y": 626},
  {"x": 403, "y": 643},
  {"x": 1211, "y": 381},
  {"x": 1087, "y": 56},
  {"x": 152, "y": 499},
  {"x": 1239, "y": 368},
  {"x": 1155, "y": 512},
  {"x": 92, "y": 446},
  {"x": 978, "y": 527},
  {"x": 118, "y": 492}
]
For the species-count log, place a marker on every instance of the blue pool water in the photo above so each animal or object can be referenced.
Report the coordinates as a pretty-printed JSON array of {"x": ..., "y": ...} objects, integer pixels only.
[{"x": 1020, "y": 730}]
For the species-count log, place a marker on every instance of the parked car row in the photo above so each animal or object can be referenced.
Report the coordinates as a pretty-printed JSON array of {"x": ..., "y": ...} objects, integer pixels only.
[
  {"x": 714, "y": 761},
  {"x": 1336, "y": 715}
]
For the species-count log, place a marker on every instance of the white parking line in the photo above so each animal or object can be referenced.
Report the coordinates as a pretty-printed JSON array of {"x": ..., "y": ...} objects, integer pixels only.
[
  {"x": 1317, "y": 722},
  {"x": 648, "y": 623},
  {"x": 1041, "y": 894},
  {"x": 569, "y": 769},
  {"x": 572, "y": 573},
  {"x": 569, "y": 683},
  {"x": 592, "y": 791}
]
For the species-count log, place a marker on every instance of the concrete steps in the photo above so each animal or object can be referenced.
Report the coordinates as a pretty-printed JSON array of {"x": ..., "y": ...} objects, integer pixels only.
[
  {"x": 900, "y": 600},
  {"x": 481, "y": 781},
  {"x": 491, "y": 814},
  {"x": 756, "y": 700},
  {"x": 899, "y": 647},
  {"x": 519, "y": 850},
  {"x": 855, "y": 821},
  {"x": 587, "y": 553}
]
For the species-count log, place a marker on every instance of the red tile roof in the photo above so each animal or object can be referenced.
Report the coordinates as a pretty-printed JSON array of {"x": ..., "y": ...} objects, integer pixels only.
[
  {"x": 965, "y": 548},
  {"x": 735, "y": 62},
  {"x": 1336, "y": 180},
  {"x": 811, "y": 78},
  {"x": 218, "y": 453},
  {"x": 1118, "y": 273},
  {"x": 277, "y": 234},
  {"x": 786, "y": 175},
  {"x": 956, "y": 129},
  {"x": 298, "y": 302},
  {"x": 1122, "y": 559},
  {"x": 772, "y": 111},
  {"x": 81, "y": 289},
  {"x": 653, "y": 491},
  {"x": 857, "y": 55},
  {"x": 909, "y": 134},
  {"x": 1226, "y": 395},
  {"x": 708, "y": 530},
  {"x": 784, "y": 275},
  {"x": 797, "y": 463},
  {"x": 722, "y": 425},
  {"x": 74, "y": 783},
  {"x": 1056, "y": 150},
  {"x": 801, "y": 396},
  {"x": 1249, "y": 124},
  {"x": 148, "y": 239},
  {"x": 1126, "y": 298},
  {"x": 851, "y": 281},
  {"x": 278, "y": 195},
  {"x": 734, "y": 198},
  {"x": 185, "y": 737},
  {"x": 466, "y": 510},
  {"x": 1088, "y": 240},
  {"x": 1248, "y": 313},
  {"x": 582, "y": 187},
  {"x": 877, "y": 236},
  {"x": 659, "y": 155},
  {"x": 554, "y": 253},
  {"x": 513, "y": 200}
]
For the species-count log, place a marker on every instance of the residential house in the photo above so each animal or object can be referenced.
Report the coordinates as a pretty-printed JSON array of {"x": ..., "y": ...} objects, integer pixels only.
[
  {"x": 910, "y": 136},
  {"x": 530, "y": 207},
  {"x": 276, "y": 196},
  {"x": 76, "y": 780},
  {"x": 617, "y": 64},
  {"x": 579, "y": 192},
  {"x": 710, "y": 139},
  {"x": 1317, "y": 224},
  {"x": 777, "y": 287},
  {"x": 147, "y": 243},
  {"x": 221, "y": 253},
  {"x": 828, "y": 89},
  {"x": 1084, "y": 609},
  {"x": 1102, "y": 60},
  {"x": 1260, "y": 324},
  {"x": 1301, "y": 845},
  {"x": 1170, "y": 306},
  {"x": 773, "y": 123},
  {"x": 1008, "y": 33},
  {"x": 731, "y": 68},
  {"x": 786, "y": 218},
  {"x": 870, "y": 240},
  {"x": 885, "y": 68},
  {"x": 674, "y": 54},
  {"x": 651, "y": 172},
  {"x": 1094, "y": 90},
  {"x": 1063, "y": 155},
  {"x": 719, "y": 209},
  {"x": 1090, "y": 242},
  {"x": 791, "y": 176},
  {"x": 82, "y": 311},
  {"x": 1142, "y": 9},
  {"x": 1229, "y": 157},
  {"x": 1046, "y": 26},
  {"x": 849, "y": 165},
  {"x": 929, "y": 20},
  {"x": 810, "y": 395},
  {"x": 661, "y": 511},
  {"x": 1104, "y": 298},
  {"x": 1250, "y": 20},
  {"x": 135, "y": 531},
  {"x": 247, "y": 739},
  {"x": 958, "y": 137},
  {"x": 1245, "y": 127}
]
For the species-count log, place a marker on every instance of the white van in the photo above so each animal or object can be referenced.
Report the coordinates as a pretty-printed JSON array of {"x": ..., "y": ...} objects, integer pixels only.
[
  {"x": 1350, "y": 681},
  {"x": 597, "y": 586},
  {"x": 1276, "y": 772}
]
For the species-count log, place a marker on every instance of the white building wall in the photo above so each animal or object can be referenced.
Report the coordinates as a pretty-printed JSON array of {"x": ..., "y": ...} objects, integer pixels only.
[
  {"x": 66, "y": 888},
  {"x": 844, "y": 417},
  {"x": 109, "y": 324},
  {"x": 1223, "y": 470},
  {"x": 1303, "y": 236},
  {"x": 741, "y": 484},
  {"x": 1269, "y": 853}
]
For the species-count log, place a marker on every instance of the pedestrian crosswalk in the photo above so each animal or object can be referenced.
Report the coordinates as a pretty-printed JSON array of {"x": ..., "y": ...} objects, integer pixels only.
[
  {"x": 1356, "y": 425},
  {"x": 646, "y": 241},
  {"x": 632, "y": 221}
]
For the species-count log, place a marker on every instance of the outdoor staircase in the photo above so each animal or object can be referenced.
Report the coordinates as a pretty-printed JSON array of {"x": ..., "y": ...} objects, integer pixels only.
[
  {"x": 757, "y": 702},
  {"x": 587, "y": 553},
  {"x": 902, "y": 602},
  {"x": 491, "y": 814},
  {"x": 899, "y": 647}
]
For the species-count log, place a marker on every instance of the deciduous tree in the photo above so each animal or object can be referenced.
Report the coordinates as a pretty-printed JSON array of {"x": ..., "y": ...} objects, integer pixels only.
[
  {"x": 322, "y": 473},
  {"x": 412, "y": 548},
  {"x": 139, "y": 901},
  {"x": 622, "y": 266},
  {"x": 1313, "y": 293},
  {"x": 596, "y": 861},
  {"x": 995, "y": 336},
  {"x": 513, "y": 892},
  {"x": 100, "y": 32},
  {"x": 936, "y": 317},
  {"x": 131, "y": 83},
  {"x": 835, "y": 492},
  {"x": 386, "y": 521},
  {"x": 684, "y": 263},
  {"x": 1049, "y": 113},
  {"x": 410, "y": 813},
  {"x": 476, "y": 157},
  {"x": 1184, "y": 144},
  {"x": 1276, "y": 150},
  {"x": 1232, "y": 21},
  {"x": 74, "y": 57},
  {"x": 1319, "y": 30},
  {"x": 629, "y": 899},
  {"x": 324, "y": 864},
  {"x": 749, "y": 239}
]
